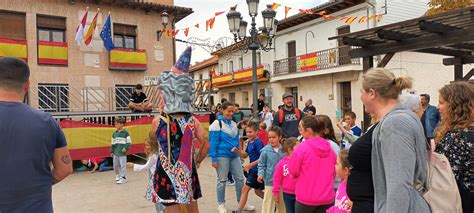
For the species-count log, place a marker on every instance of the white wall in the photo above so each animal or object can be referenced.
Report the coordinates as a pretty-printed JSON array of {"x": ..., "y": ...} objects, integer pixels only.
[
  {"x": 400, "y": 10},
  {"x": 266, "y": 59}
]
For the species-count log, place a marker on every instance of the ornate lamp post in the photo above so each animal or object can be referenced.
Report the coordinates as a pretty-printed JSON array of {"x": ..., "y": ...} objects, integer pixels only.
[{"x": 259, "y": 38}]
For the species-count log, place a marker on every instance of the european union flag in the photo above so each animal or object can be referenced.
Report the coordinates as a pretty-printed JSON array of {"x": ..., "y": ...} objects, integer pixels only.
[{"x": 106, "y": 35}]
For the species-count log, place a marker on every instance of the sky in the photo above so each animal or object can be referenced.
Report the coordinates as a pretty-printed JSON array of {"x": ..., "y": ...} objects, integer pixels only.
[{"x": 205, "y": 9}]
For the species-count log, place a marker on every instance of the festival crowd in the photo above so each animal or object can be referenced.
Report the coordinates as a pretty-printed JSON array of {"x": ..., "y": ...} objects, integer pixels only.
[{"x": 290, "y": 158}]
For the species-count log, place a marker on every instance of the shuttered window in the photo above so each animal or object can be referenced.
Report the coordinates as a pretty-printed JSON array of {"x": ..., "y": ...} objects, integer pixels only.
[
  {"x": 51, "y": 22},
  {"x": 12, "y": 25},
  {"x": 125, "y": 30}
]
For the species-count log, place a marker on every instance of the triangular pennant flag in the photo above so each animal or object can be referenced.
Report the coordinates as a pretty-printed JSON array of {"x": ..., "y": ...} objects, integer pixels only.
[
  {"x": 286, "y": 11},
  {"x": 186, "y": 31},
  {"x": 219, "y": 13},
  {"x": 175, "y": 32},
  {"x": 211, "y": 22},
  {"x": 351, "y": 19},
  {"x": 327, "y": 17},
  {"x": 379, "y": 17},
  {"x": 302, "y": 10},
  {"x": 275, "y": 6},
  {"x": 362, "y": 19},
  {"x": 197, "y": 25}
]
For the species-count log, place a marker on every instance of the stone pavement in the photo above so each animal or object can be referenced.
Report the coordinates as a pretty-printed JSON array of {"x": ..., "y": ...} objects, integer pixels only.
[{"x": 98, "y": 192}]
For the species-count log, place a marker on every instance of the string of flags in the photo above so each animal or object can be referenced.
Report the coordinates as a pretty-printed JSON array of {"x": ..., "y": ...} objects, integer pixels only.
[
  {"x": 345, "y": 19},
  {"x": 106, "y": 32}
]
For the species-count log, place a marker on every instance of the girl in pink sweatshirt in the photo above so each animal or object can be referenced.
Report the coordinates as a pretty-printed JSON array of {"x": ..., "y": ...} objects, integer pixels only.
[
  {"x": 282, "y": 178},
  {"x": 312, "y": 165},
  {"x": 342, "y": 203}
]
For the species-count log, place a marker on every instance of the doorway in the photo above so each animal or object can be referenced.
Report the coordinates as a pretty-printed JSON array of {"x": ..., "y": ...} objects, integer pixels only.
[{"x": 291, "y": 56}]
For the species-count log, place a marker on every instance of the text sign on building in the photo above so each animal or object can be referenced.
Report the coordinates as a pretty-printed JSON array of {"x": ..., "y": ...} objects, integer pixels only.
[{"x": 151, "y": 80}]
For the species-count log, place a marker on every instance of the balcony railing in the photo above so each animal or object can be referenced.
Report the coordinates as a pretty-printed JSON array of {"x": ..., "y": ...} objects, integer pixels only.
[
  {"x": 319, "y": 60},
  {"x": 240, "y": 76}
]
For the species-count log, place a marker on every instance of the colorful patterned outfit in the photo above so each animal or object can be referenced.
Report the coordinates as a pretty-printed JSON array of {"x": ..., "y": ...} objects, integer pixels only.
[{"x": 176, "y": 180}]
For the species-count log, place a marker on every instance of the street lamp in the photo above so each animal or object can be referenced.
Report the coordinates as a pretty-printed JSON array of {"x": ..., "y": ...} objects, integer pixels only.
[
  {"x": 254, "y": 42},
  {"x": 164, "y": 22}
]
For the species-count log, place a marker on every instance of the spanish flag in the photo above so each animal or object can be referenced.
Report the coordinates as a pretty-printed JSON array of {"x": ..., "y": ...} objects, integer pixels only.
[
  {"x": 90, "y": 32},
  {"x": 52, "y": 53},
  {"x": 13, "y": 48}
]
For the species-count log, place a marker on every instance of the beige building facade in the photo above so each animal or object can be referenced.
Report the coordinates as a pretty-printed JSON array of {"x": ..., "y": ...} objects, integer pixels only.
[{"x": 88, "y": 81}]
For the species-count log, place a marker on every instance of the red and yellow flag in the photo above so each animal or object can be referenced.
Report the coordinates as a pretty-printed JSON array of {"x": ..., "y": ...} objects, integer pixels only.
[
  {"x": 186, "y": 31},
  {"x": 124, "y": 59},
  {"x": 90, "y": 31},
  {"x": 13, "y": 48},
  {"x": 52, "y": 53}
]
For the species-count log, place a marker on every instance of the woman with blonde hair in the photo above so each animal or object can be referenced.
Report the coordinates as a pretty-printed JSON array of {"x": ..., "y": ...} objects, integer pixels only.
[
  {"x": 455, "y": 135},
  {"x": 399, "y": 151}
]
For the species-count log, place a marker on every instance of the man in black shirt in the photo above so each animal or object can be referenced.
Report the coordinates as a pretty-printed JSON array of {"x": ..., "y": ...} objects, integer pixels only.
[
  {"x": 139, "y": 101},
  {"x": 288, "y": 117},
  {"x": 261, "y": 103},
  {"x": 309, "y": 108}
]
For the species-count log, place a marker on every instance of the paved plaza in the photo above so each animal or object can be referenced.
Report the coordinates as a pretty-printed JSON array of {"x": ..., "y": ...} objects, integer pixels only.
[{"x": 98, "y": 192}]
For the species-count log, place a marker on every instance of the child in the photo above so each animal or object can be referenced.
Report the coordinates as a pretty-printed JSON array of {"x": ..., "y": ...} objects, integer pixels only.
[
  {"x": 254, "y": 147},
  {"x": 312, "y": 164},
  {"x": 329, "y": 135},
  {"x": 151, "y": 150},
  {"x": 120, "y": 144},
  {"x": 283, "y": 179},
  {"x": 270, "y": 156},
  {"x": 262, "y": 134},
  {"x": 95, "y": 164},
  {"x": 342, "y": 203}
]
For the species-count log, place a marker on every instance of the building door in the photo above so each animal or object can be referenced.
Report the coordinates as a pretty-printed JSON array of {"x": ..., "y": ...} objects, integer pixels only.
[
  {"x": 294, "y": 92},
  {"x": 232, "y": 97},
  {"x": 245, "y": 99},
  {"x": 346, "y": 98},
  {"x": 343, "y": 49},
  {"x": 291, "y": 56}
]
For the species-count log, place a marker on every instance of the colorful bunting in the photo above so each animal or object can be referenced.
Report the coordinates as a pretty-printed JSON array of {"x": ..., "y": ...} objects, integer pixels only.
[
  {"x": 210, "y": 23},
  {"x": 219, "y": 13},
  {"x": 175, "y": 32},
  {"x": 197, "y": 25}
]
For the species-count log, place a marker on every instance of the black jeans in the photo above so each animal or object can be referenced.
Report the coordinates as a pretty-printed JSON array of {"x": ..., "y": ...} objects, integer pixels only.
[
  {"x": 290, "y": 200},
  {"x": 302, "y": 208}
]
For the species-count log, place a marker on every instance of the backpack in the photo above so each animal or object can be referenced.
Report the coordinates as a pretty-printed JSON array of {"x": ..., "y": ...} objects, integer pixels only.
[
  {"x": 280, "y": 114},
  {"x": 440, "y": 189}
]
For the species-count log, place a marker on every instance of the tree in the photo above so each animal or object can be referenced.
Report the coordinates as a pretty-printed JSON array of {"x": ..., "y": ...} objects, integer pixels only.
[{"x": 440, "y": 6}]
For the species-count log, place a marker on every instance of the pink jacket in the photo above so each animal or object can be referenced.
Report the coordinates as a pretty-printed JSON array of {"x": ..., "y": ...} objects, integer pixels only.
[
  {"x": 341, "y": 202},
  {"x": 282, "y": 178},
  {"x": 312, "y": 165}
]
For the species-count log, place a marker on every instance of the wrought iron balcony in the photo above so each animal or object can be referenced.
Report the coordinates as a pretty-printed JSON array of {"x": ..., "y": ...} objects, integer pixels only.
[{"x": 319, "y": 60}]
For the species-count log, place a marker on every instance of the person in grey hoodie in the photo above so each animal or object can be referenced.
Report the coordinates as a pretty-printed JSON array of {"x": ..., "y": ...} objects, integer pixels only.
[{"x": 399, "y": 151}]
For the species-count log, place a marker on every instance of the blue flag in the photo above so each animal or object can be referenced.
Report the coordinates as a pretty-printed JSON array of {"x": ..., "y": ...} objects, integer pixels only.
[{"x": 106, "y": 35}]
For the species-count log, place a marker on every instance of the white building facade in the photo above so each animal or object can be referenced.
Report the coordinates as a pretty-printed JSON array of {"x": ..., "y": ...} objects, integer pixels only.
[
  {"x": 234, "y": 76},
  {"x": 310, "y": 66}
]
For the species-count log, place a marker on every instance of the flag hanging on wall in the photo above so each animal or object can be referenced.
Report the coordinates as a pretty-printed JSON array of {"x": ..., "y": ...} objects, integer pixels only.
[
  {"x": 90, "y": 32},
  {"x": 106, "y": 34},
  {"x": 80, "y": 28}
]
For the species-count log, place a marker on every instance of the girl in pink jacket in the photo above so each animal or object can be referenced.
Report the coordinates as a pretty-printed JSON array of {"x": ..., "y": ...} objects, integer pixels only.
[
  {"x": 312, "y": 164},
  {"x": 342, "y": 203},
  {"x": 282, "y": 178}
]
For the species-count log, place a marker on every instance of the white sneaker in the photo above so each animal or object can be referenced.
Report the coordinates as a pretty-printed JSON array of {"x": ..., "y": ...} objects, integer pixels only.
[
  {"x": 117, "y": 178},
  {"x": 122, "y": 181},
  {"x": 248, "y": 208},
  {"x": 221, "y": 208}
]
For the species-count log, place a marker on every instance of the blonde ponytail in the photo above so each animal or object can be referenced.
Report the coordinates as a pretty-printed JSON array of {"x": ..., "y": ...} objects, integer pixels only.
[{"x": 385, "y": 83}]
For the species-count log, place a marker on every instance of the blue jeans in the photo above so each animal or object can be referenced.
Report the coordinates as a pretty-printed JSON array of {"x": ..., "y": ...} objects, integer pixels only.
[
  {"x": 235, "y": 167},
  {"x": 290, "y": 200}
]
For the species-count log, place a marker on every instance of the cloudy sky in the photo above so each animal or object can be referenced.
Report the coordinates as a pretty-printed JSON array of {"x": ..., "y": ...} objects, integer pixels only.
[{"x": 205, "y": 9}]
